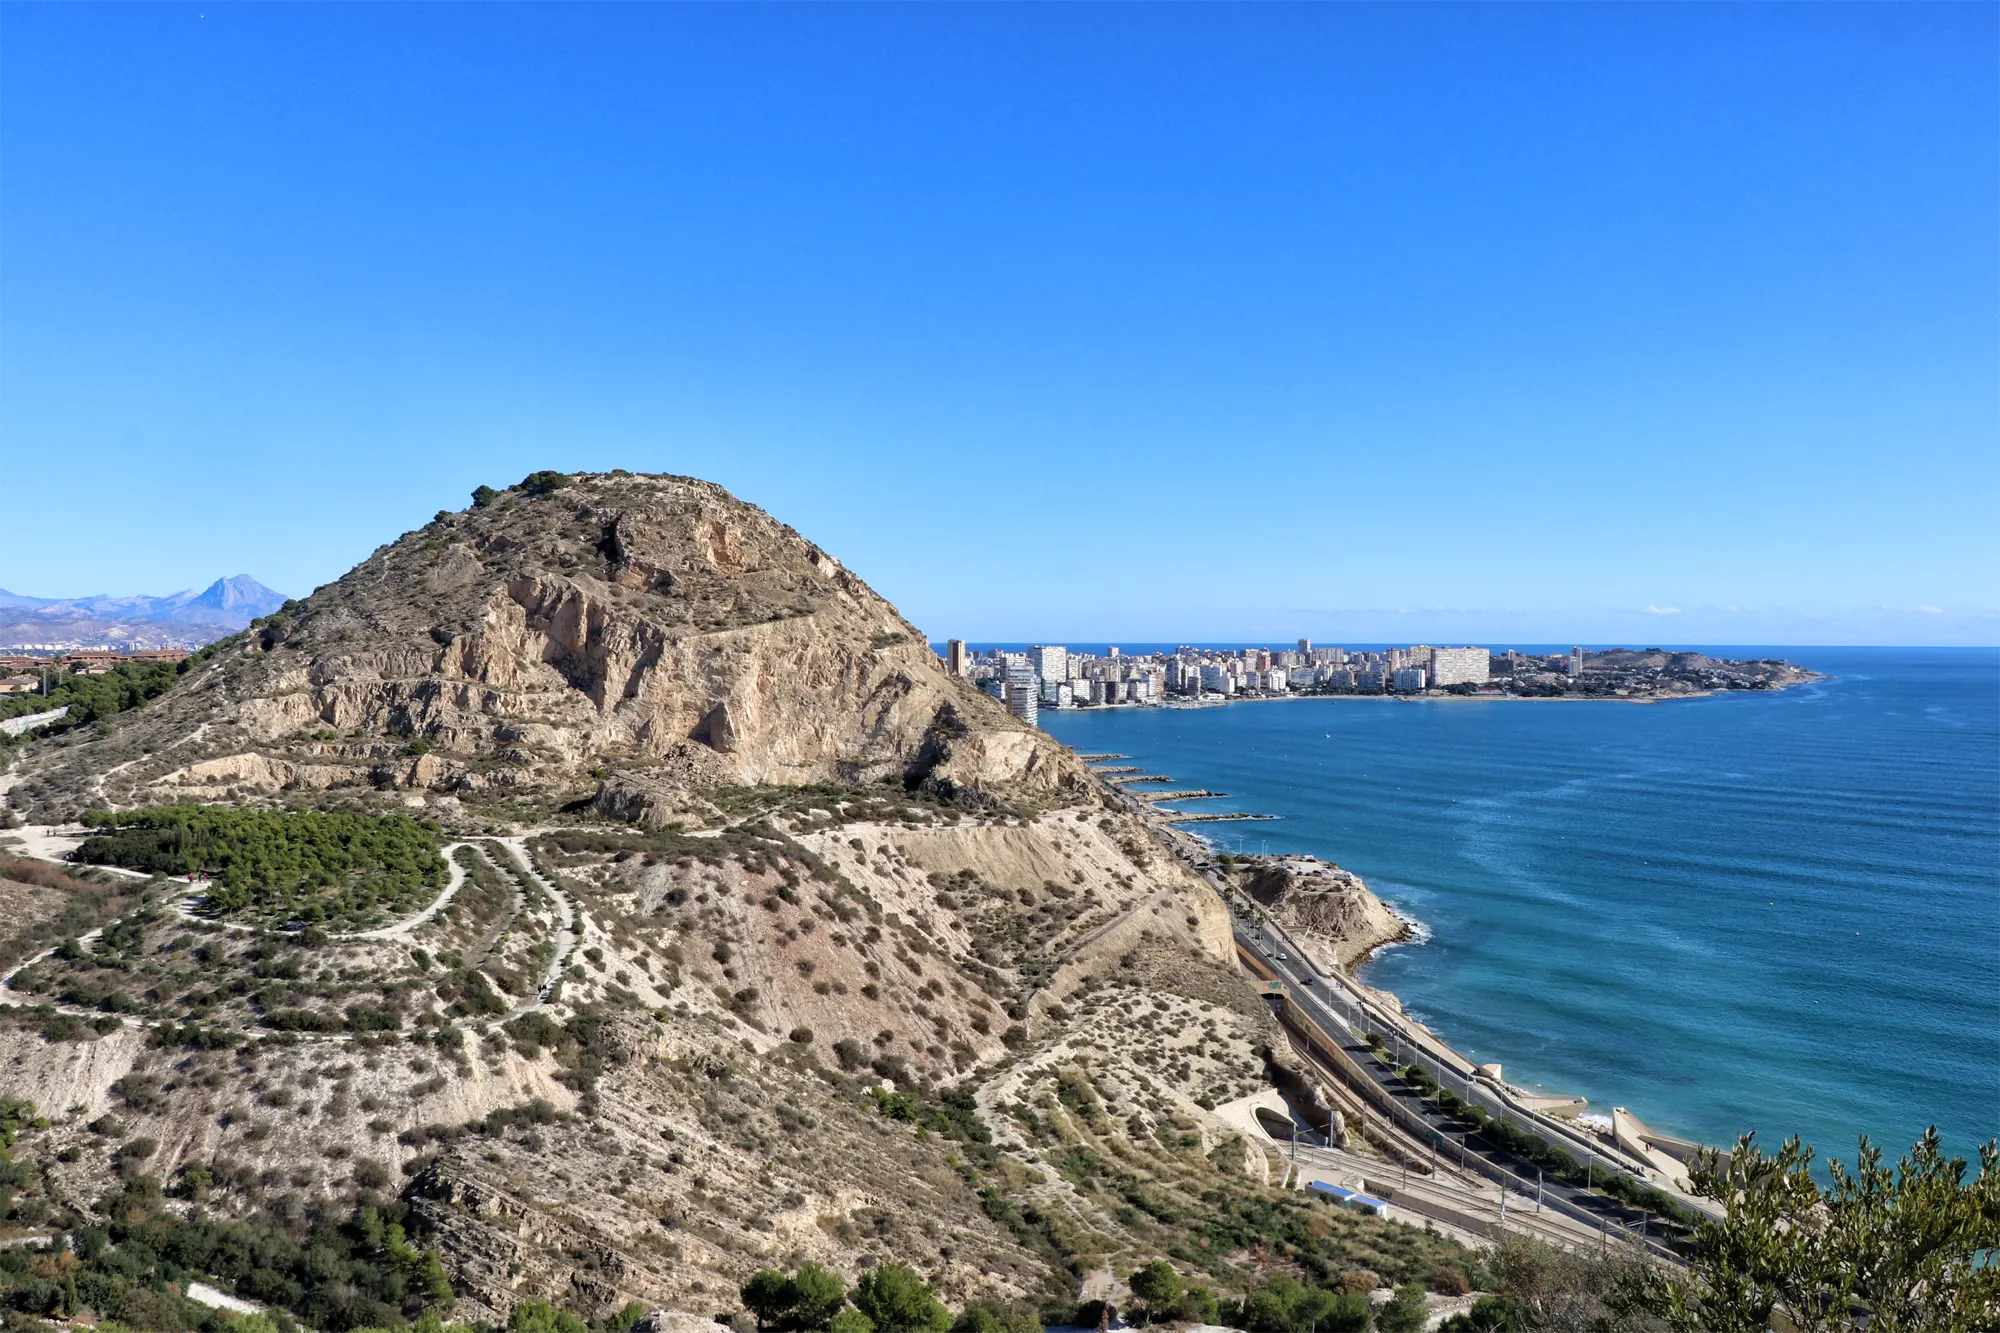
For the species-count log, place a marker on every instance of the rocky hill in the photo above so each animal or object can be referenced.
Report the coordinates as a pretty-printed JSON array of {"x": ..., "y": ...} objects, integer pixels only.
[
  {"x": 630, "y": 639},
  {"x": 766, "y": 940}
]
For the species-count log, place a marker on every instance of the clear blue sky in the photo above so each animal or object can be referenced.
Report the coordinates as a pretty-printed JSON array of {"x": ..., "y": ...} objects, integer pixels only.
[{"x": 1530, "y": 323}]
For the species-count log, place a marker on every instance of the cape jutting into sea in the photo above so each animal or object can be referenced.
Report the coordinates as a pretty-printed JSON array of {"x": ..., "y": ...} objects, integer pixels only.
[{"x": 1769, "y": 911}]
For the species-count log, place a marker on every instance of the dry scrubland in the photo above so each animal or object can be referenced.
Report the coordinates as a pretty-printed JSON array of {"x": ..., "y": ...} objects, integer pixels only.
[{"x": 853, "y": 967}]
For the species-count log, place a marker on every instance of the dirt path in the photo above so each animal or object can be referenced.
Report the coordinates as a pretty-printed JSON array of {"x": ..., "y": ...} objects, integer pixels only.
[
  {"x": 567, "y": 940},
  {"x": 567, "y": 937}
]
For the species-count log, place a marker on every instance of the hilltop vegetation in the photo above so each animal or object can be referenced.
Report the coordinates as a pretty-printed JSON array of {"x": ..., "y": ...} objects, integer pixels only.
[{"x": 277, "y": 866}]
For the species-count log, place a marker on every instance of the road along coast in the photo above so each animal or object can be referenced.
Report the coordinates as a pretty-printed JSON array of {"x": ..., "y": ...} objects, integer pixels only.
[{"x": 1300, "y": 926}]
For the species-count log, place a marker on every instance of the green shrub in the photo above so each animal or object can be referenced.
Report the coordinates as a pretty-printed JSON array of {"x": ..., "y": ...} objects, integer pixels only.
[
  {"x": 337, "y": 1274},
  {"x": 544, "y": 482},
  {"x": 541, "y": 1317},
  {"x": 896, "y": 1300},
  {"x": 1405, "y": 1311}
]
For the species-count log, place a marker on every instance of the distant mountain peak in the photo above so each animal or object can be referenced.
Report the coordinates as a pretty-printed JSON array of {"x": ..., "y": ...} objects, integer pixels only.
[
  {"x": 186, "y": 618},
  {"x": 239, "y": 592}
]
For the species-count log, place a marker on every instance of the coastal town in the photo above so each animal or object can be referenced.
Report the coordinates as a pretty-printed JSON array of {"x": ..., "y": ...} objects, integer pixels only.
[
  {"x": 25, "y": 670},
  {"x": 1053, "y": 676}
]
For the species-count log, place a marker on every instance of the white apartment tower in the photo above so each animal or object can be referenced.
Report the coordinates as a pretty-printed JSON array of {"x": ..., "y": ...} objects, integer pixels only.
[
  {"x": 1021, "y": 692},
  {"x": 1050, "y": 663},
  {"x": 1575, "y": 661},
  {"x": 1460, "y": 666}
]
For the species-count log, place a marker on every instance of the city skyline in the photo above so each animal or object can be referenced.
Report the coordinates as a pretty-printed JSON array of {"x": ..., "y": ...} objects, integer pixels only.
[{"x": 1049, "y": 676}]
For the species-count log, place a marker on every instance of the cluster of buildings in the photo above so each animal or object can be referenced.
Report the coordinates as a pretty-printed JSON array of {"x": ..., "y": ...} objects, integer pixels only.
[
  {"x": 1050, "y": 676},
  {"x": 28, "y": 673}
]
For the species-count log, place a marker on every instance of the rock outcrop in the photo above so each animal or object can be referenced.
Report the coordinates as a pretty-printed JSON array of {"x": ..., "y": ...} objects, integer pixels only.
[{"x": 1326, "y": 908}]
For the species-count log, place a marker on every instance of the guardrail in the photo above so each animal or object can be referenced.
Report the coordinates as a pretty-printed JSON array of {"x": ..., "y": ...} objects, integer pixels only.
[
  {"x": 1324, "y": 1047},
  {"x": 1361, "y": 1018}
]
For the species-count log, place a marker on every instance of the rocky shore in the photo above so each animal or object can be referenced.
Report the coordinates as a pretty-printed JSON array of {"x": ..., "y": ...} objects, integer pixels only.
[{"x": 1328, "y": 910}]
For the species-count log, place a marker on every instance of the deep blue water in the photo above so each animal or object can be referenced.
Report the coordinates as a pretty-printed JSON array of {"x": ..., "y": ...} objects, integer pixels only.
[{"x": 1777, "y": 912}]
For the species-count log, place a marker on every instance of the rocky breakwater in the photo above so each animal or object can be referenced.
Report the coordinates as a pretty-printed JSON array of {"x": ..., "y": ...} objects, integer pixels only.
[
  {"x": 620, "y": 637},
  {"x": 1327, "y": 910}
]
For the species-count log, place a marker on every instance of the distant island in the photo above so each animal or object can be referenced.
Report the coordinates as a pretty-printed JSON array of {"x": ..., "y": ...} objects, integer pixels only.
[
  {"x": 1048, "y": 676},
  {"x": 186, "y": 619}
]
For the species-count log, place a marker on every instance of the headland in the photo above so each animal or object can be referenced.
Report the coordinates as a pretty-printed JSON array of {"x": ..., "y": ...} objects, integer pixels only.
[{"x": 1057, "y": 677}]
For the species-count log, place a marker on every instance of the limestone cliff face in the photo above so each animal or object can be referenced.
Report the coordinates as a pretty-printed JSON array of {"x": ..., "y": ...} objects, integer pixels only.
[
  {"x": 1327, "y": 909},
  {"x": 648, "y": 634}
]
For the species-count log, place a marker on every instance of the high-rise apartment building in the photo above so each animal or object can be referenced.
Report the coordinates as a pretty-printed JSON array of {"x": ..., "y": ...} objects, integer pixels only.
[
  {"x": 1409, "y": 680},
  {"x": 1305, "y": 648},
  {"x": 1576, "y": 661},
  {"x": 1050, "y": 663},
  {"x": 1460, "y": 666},
  {"x": 955, "y": 659},
  {"x": 1022, "y": 690}
]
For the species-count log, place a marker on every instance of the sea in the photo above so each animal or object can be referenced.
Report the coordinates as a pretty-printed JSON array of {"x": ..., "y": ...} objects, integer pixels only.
[{"x": 1759, "y": 911}]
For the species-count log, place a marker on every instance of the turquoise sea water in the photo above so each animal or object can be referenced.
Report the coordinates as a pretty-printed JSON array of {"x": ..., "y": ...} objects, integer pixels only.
[{"x": 1777, "y": 912}]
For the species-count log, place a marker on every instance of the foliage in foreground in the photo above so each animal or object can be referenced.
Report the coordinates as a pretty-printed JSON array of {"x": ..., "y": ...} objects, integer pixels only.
[
  {"x": 893, "y": 1299},
  {"x": 888, "y": 1299},
  {"x": 1908, "y": 1249},
  {"x": 355, "y": 1273},
  {"x": 1913, "y": 1247},
  {"x": 280, "y": 865}
]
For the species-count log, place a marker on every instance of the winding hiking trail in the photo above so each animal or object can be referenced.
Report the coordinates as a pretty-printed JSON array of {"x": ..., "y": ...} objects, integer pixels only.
[{"x": 41, "y": 843}]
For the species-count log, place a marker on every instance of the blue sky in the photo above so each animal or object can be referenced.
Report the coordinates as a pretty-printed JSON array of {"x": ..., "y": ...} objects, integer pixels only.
[{"x": 1531, "y": 323}]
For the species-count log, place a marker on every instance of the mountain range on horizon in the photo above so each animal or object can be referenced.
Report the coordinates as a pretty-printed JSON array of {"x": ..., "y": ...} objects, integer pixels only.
[{"x": 187, "y": 618}]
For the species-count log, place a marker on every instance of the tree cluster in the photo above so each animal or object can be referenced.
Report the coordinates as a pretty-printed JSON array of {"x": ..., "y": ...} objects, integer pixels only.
[
  {"x": 90, "y": 697},
  {"x": 362, "y": 1272},
  {"x": 284, "y": 865},
  {"x": 1902, "y": 1249},
  {"x": 888, "y": 1299}
]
